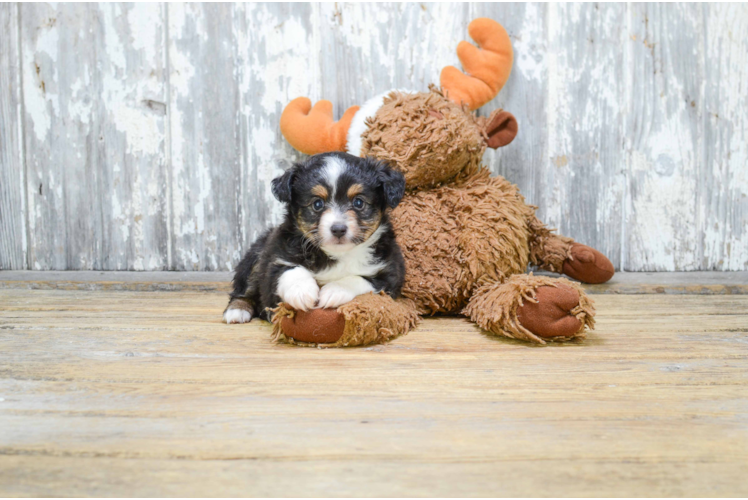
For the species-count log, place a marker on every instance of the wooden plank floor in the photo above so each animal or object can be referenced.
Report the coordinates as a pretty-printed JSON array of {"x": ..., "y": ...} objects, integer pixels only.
[{"x": 147, "y": 393}]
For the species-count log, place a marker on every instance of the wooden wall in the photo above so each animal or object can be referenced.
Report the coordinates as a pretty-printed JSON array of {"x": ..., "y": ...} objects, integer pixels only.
[{"x": 144, "y": 137}]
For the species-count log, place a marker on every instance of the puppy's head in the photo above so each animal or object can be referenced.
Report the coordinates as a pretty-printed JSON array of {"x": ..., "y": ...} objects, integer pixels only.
[{"x": 337, "y": 200}]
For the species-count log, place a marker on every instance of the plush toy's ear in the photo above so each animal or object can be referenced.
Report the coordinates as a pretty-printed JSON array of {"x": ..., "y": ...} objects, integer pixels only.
[
  {"x": 393, "y": 184},
  {"x": 312, "y": 130},
  {"x": 501, "y": 129},
  {"x": 282, "y": 186}
]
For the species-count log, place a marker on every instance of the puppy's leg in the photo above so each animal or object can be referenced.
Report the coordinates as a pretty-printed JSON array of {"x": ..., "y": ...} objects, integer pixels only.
[
  {"x": 238, "y": 311},
  {"x": 245, "y": 294},
  {"x": 298, "y": 288},
  {"x": 337, "y": 293}
]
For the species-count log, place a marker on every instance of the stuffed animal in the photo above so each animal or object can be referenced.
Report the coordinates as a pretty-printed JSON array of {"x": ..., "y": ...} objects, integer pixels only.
[{"x": 467, "y": 237}]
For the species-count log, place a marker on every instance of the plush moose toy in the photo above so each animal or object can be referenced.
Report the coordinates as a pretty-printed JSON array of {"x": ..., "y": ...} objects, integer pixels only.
[{"x": 467, "y": 237}]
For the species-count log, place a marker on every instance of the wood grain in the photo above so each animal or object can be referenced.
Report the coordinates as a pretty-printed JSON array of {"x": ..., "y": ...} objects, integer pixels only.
[
  {"x": 94, "y": 100},
  {"x": 231, "y": 69},
  {"x": 723, "y": 177},
  {"x": 205, "y": 139},
  {"x": 147, "y": 393},
  {"x": 151, "y": 132},
  {"x": 12, "y": 202},
  {"x": 665, "y": 136},
  {"x": 584, "y": 170}
]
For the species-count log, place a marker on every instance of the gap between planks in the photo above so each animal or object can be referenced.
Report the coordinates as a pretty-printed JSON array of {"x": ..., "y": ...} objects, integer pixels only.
[{"x": 676, "y": 283}]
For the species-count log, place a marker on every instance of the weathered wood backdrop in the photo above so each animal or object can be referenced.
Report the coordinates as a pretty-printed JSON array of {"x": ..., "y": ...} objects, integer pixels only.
[{"x": 145, "y": 136}]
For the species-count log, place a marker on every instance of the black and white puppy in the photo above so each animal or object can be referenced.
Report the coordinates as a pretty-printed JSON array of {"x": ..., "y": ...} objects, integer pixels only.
[{"x": 334, "y": 244}]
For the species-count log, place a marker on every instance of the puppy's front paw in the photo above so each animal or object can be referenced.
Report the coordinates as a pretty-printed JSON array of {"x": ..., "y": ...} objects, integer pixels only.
[
  {"x": 298, "y": 288},
  {"x": 232, "y": 316},
  {"x": 303, "y": 296},
  {"x": 334, "y": 295}
]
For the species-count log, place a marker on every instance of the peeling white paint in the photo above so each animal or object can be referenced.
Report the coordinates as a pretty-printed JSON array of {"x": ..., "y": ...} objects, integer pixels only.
[
  {"x": 142, "y": 131},
  {"x": 275, "y": 62},
  {"x": 557, "y": 108},
  {"x": 144, "y": 33},
  {"x": 37, "y": 98},
  {"x": 528, "y": 57},
  {"x": 659, "y": 147}
]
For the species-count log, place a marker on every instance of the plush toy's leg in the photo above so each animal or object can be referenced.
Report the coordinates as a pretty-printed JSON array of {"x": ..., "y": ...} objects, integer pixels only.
[
  {"x": 560, "y": 254},
  {"x": 532, "y": 308},
  {"x": 367, "y": 319}
]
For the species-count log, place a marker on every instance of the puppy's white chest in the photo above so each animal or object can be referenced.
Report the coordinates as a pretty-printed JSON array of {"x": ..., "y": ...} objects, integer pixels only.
[{"x": 357, "y": 262}]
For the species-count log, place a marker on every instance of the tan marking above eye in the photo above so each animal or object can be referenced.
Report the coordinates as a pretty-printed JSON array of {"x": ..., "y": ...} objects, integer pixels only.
[
  {"x": 354, "y": 190},
  {"x": 320, "y": 190}
]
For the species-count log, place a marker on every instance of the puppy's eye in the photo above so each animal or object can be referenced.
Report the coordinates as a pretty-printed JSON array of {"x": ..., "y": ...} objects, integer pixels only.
[
  {"x": 358, "y": 203},
  {"x": 318, "y": 205}
]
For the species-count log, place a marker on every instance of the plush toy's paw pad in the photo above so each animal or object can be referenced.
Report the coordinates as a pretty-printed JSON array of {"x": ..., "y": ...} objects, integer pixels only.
[
  {"x": 588, "y": 265},
  {"x": 551, "y": 315},
  {"x": 234, "y": 316},
  {"x": 319, "y": 326}
]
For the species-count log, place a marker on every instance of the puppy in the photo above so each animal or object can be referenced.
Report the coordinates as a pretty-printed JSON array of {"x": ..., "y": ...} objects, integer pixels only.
[{"x": 335, "y": 241}]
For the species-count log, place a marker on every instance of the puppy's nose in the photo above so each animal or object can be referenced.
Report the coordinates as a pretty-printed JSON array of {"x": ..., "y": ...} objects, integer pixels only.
[{"x": 338, "y": 230}]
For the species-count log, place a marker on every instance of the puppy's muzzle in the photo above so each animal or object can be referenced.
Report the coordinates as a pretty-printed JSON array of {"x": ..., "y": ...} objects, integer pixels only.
[{"x": 338, "y": 230}]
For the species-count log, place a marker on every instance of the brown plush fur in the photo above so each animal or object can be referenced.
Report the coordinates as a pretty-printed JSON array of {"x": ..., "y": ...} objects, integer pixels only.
[
  {"x": 430, "y": 138},
  {"x": 454, "y": 236},
  {"x": 466, "y": 236},
  {"x": 548, "y": 251},
  {"x": 457, "y": 226}
]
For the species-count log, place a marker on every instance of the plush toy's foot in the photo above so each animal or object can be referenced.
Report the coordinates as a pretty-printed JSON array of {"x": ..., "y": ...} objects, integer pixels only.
[
  {"x": 367, "y": 319},
  {"x": 588, "y": 265},
  {"x": 550, "y": 313},
  {"x": 533, "y": 308}
]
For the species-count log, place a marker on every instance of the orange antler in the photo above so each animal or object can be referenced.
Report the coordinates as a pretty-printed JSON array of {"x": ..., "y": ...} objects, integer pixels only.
[
  {"x": 314, "y": 131},
  {"x": 487, "y": 67}
]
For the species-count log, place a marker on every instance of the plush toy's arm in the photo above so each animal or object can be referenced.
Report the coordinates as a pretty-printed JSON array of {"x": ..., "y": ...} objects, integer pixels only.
[
  {"x": 560, "y": 254},
  {"x": 315, "y": 131},
  {"x": 371, "y": 318},
  {"x": 487, "y": 67}
]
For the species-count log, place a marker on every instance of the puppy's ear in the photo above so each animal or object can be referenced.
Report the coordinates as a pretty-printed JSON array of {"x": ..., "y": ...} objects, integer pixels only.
[
  {"x": 393, "y": 184},
  {"x": 282, "y": 186}
]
